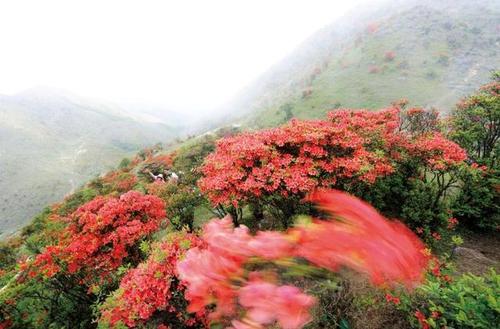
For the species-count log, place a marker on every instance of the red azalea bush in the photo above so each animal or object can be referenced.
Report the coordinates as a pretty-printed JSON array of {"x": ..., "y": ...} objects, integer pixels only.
[
  {"x": 438, "y": 152},
  {"x": 351, "y": 150},
  {"x": 152, "y": 293},
  {"x": 300, "y": 156},
  {"x": 100, "y": 235},
  {"x": 119, "y": 181},
  {"x": 357, "y": 237}
]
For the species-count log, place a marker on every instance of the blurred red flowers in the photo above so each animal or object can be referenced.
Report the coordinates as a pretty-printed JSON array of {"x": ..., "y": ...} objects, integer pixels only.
[
  {"x": 360, "y": 238},
  {"x": 356, "y": 236},
  {"x": 267, "y": 303}
]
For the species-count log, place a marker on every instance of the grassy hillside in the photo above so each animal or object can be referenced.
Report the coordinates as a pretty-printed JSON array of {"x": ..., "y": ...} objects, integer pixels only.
[
  {"x": 51, "y": 143},
  {"x": 373, "y": 57}
]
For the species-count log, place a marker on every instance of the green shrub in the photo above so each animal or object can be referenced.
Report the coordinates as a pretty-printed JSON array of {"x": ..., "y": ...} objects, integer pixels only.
[
  {"x": 124, "y": 163},
  {"x": 422, "y": 208},
  {"x": 468, "y": 302},
  {"x": 475, "y": 124},
  {"x": 181, "y": 204},
  {"x": 477, "y": 205},
  {"x": 75, "y": 200}
]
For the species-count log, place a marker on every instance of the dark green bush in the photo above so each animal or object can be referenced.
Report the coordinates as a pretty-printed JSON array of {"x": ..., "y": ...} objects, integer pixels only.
[
  {"x": 478, "y": 202},
  {"x": 422, "y": 207}
]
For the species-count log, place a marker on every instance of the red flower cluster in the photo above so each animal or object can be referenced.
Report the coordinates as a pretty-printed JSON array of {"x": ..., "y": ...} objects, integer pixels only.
[
  {"x": 358, "y": 238},
  {"x": 152, "y": 287},
  {"x": 389, "y": 56},
  {"x": 392, "y": 299},
  {"x": 422, "y": 320},
  {"x": 452, "y": 223},
  {"x": 100, "y": 233},
  {"x": 120, "y": 181},
  {"x": 436, "y": 236},
  {"x": 349, "y": 147},
  {"x": 437, "y": 152},
  {"x": 300, "y": 156}
]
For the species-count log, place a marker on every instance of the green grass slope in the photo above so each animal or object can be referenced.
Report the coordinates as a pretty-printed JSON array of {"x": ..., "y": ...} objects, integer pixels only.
[
  {"x": 430, "y": 53},
  {"x": 51, "y": 143}
]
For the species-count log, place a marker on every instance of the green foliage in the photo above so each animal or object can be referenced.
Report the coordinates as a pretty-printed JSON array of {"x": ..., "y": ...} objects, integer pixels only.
[
  {"x": 34, "y": 304},
  {"x": 477, "y": 204},
  {"x": 181, "y": 205},
  {"x": 284, "y": 209},
  {"x": 286, "y": 109},
  {"x": 76, "y": 200},
  {"x": 468, "y": 302},
  {"x": 475, "y": 124},
  {"x": 189, "y": 157},
  {"x": 41, "y": 232},
  {"x": 124, "y": 163},
  {"x": 422, "y": 208},
  {"x": 411, "y": 198}
]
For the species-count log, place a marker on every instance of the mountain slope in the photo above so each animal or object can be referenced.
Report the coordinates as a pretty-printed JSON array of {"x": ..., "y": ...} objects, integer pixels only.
[
  {"x": 51, "y": 142},
  {"x": 431, "y": 53}
]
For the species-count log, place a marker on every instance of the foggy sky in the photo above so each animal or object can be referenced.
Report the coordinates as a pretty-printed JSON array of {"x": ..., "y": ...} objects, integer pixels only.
[{"x": 191, "y": 55}]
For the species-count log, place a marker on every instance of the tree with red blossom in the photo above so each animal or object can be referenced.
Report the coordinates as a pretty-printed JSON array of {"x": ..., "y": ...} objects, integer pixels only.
[{"x": 420, "y": 121}]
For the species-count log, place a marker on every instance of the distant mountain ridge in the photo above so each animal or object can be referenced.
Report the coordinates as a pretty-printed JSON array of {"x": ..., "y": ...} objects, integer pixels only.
[
  {"x": 437, "y": 52},
  {"x": 51, "y": 142}
]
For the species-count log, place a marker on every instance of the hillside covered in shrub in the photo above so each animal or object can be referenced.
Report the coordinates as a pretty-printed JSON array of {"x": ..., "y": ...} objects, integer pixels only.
[{"x": 354, "y": 220}]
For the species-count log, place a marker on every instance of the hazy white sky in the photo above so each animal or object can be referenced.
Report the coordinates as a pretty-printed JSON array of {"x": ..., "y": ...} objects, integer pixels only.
[{"x": 185, "y": 54}]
